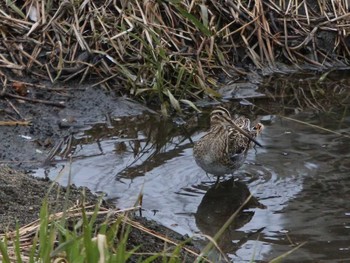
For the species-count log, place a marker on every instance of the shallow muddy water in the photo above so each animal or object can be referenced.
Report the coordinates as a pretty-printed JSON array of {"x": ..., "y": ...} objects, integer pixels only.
[{"x": 300, "y": 177}]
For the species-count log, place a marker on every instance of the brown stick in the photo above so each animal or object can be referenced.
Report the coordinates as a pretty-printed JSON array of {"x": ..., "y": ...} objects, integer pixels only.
[
  {"x": 14, "y": 123},
  {"x": 57, "y": 104}
]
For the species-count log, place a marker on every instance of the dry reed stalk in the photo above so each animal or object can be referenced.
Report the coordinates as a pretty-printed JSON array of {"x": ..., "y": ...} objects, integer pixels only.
[
  {"x": 136, "y": 44},
  {"x": 14, "y": 123}
]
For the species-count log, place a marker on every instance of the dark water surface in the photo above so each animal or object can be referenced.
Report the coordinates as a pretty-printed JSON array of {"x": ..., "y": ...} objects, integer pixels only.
[{"x": 300, "y": 178}]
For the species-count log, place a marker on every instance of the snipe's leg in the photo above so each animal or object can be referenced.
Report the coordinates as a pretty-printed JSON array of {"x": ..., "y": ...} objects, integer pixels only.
[{"x": 217, "y": 180}]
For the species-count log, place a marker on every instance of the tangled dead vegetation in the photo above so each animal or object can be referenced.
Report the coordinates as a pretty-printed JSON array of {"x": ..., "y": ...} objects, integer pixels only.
[{"x": 170, "y": 52}]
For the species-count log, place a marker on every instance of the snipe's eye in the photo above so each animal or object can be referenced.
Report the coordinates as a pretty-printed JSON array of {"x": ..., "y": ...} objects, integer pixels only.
[{"x": 240, "y": 150}]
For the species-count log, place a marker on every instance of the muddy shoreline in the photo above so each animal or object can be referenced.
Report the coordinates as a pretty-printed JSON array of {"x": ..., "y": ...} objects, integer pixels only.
[
  {"x": 25, "y": 148},
  {"x": 17, "y": 207},
  {"x": 28, "y": 146}
]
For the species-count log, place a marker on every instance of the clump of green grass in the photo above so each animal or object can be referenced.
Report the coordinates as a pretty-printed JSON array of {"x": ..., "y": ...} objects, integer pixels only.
[{"x": 85, "y": 233}]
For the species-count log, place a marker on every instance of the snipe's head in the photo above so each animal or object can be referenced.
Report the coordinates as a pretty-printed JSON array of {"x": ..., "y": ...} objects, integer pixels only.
[
  {"x": 258, "y": 128},
  {"x": 219, "y": 116},
  {"x": 243, "y": 123}
]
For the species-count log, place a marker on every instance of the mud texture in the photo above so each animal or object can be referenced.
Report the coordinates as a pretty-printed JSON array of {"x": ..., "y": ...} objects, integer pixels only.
[
  {"x": 28, "y": 146},
  {"x": 22, "y": 195}
]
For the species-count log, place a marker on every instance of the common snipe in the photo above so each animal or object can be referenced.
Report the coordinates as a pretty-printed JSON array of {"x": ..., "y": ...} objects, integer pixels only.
[{"x": 224, "y": 148}]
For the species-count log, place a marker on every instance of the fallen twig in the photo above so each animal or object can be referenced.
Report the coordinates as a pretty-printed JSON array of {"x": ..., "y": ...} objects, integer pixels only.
[
  {"x": 15, "y": 123},
  {"x": 47, "y": 102}
]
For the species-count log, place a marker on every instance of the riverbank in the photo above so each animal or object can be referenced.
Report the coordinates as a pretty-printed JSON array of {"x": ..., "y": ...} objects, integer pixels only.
[{"x": 22, "y": 200}]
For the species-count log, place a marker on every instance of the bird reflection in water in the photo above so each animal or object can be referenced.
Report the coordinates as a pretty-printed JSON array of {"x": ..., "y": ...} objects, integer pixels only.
[{"x": 218, "y": 204}]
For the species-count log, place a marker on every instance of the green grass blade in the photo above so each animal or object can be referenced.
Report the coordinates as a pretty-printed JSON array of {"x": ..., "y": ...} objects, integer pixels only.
[
  {"x": 194, "y": 20},
  {"x": 122, "y": 254},
  {"x": 33, "y": 249},
  {"x": 175, "y": 255},
  {"x": 17, "y": 245},
  {"x": 89, "y": 246},
  {"x": 70, "y": 244},
  {"x": 113, "y": 230},
  {"x": 45, "y": 246},
  {"x": 95, "y": 214},
  {"x": 283, "y": 256},
  {"x": 13, "y": 6},
  {"x": 151, "y": 258},
  {"x": 3, "y": 250}
]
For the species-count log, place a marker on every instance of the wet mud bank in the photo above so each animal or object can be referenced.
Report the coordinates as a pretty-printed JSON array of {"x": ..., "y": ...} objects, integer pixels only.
[
  {"x": 26, "y": 145},
  {"x": 25, "y": 148}
]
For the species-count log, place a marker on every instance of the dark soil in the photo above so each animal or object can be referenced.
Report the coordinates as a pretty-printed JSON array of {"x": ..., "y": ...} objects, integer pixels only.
[
  {"x": 24, "y": 148},
  {"x": 22, "y": 195},
  {"x": 27, "y": 147}
]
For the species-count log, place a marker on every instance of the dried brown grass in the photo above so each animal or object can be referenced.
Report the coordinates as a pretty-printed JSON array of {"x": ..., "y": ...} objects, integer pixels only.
[{"x": 172, "y": 52}]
